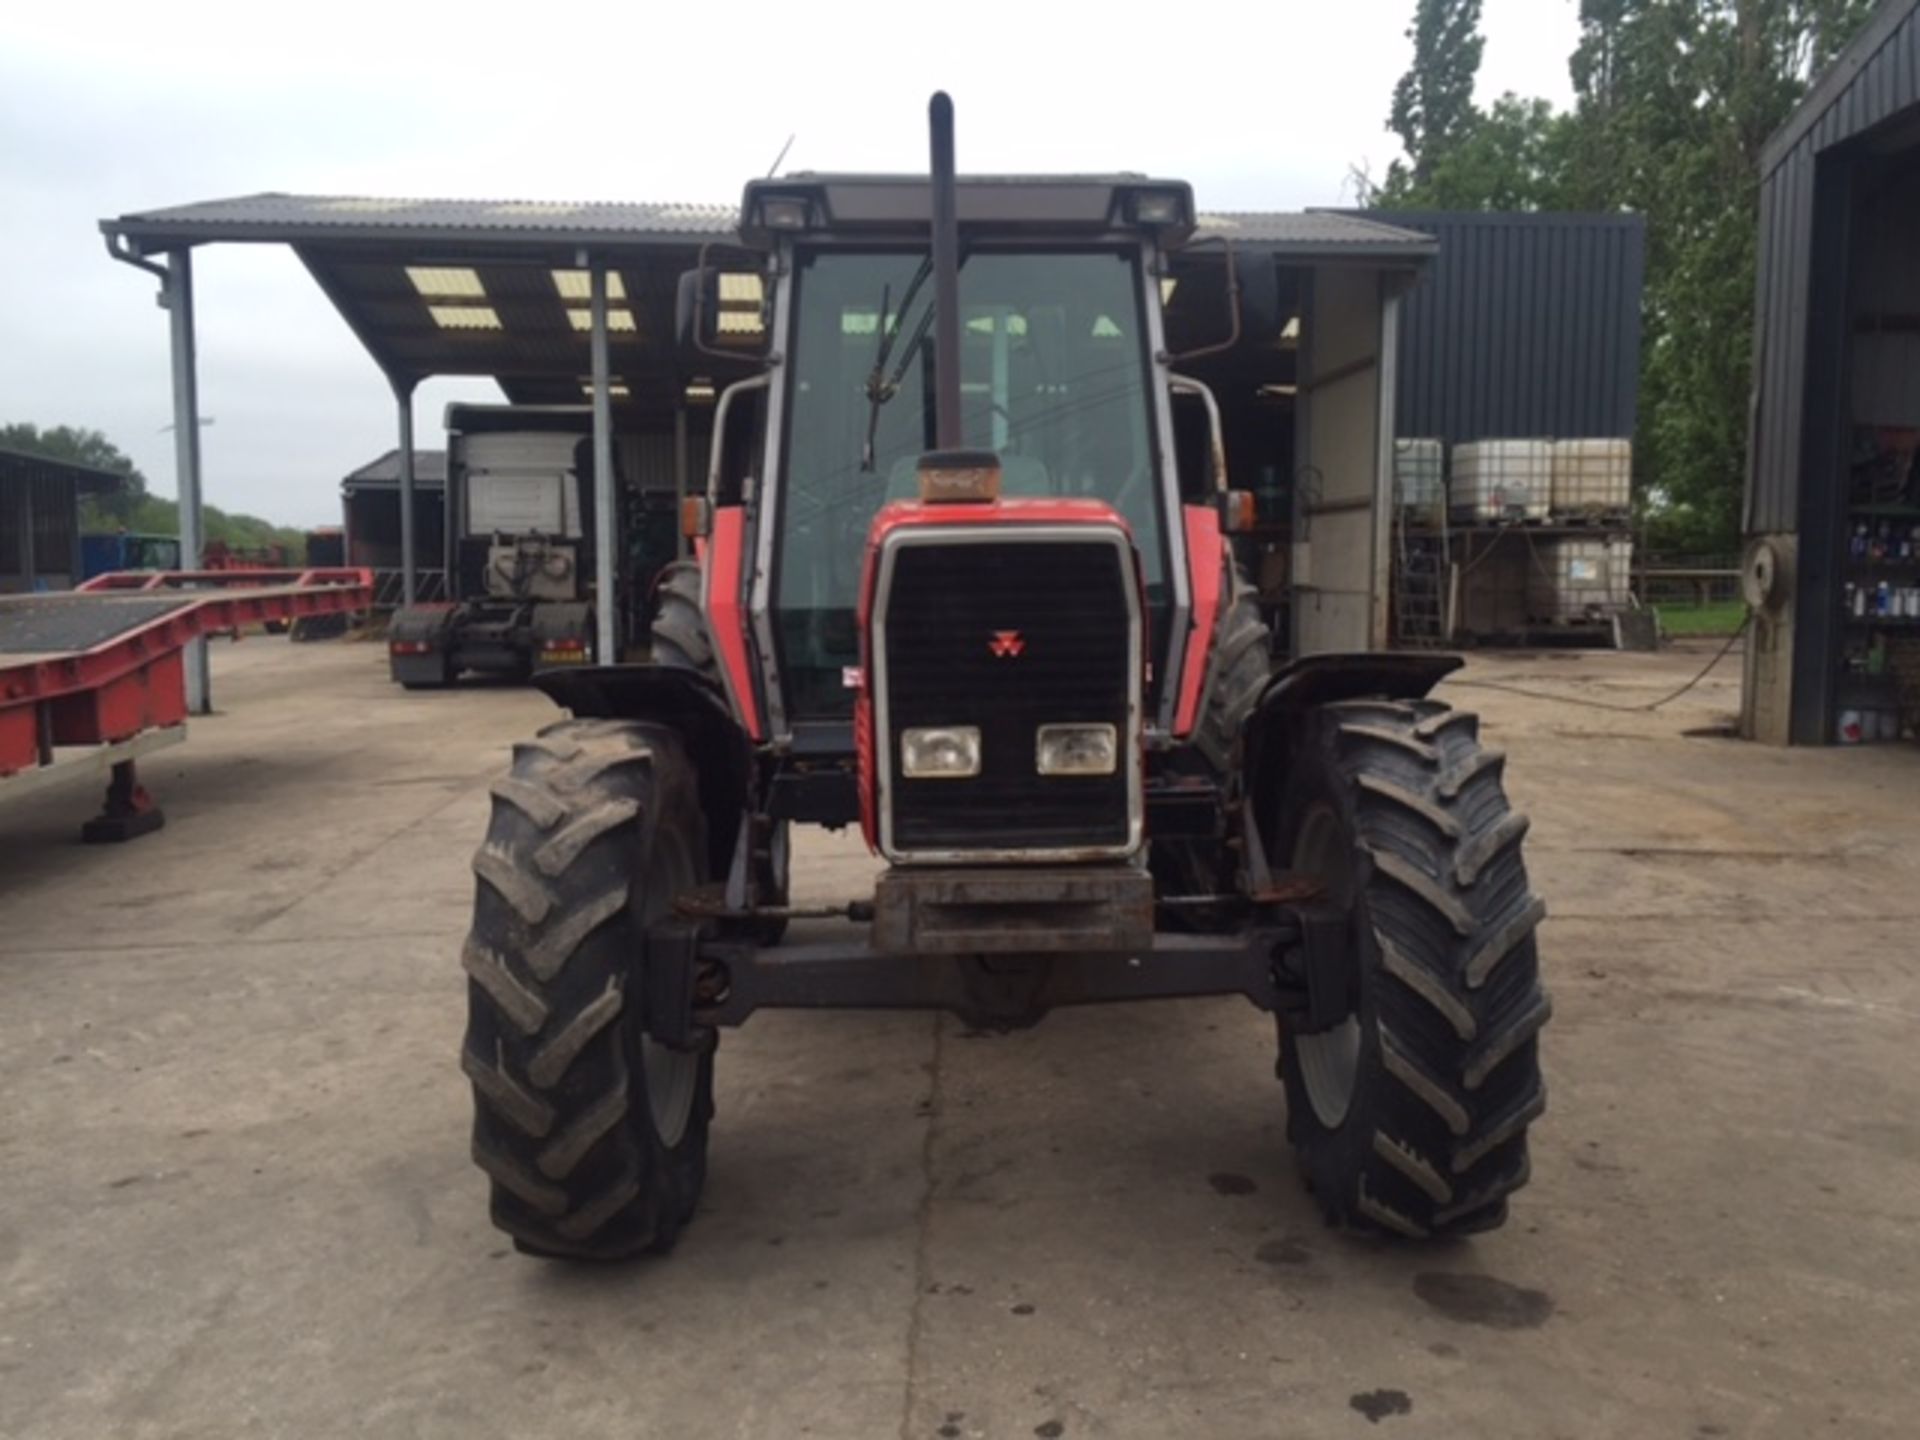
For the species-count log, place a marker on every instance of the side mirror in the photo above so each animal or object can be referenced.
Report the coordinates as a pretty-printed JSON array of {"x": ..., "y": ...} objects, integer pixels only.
[
  {"x": 720, "y": 311},
  {"x": 1230, "y": 323}
]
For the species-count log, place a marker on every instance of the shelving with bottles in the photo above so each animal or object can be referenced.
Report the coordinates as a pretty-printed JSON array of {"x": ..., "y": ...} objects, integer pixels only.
[
  {"x": 1878, "y": 696},
  {"x": 1882, "y": 572}
]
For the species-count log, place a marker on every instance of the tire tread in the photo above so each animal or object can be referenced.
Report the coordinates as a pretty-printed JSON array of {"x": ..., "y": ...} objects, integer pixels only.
[
  {"x": 1435, "y": 1139},
  {"x": 561, "y": 1121}
]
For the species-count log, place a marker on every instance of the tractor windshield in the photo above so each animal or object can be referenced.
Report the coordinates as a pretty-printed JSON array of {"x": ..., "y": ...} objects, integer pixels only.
[{"x": 1054, "y": 378}]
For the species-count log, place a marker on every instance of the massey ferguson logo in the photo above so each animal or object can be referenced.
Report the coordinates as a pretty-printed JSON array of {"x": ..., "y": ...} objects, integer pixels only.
[{"x": 1006, "y": 644}]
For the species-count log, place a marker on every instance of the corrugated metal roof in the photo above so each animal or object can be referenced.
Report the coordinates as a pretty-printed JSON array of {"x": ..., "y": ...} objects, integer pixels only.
[
  {"x": 429, "y": 469},
  {"x": 1316, "y": 231},
  {"x": 279, "y": 217},
  {"x": 481, "y": 287}
]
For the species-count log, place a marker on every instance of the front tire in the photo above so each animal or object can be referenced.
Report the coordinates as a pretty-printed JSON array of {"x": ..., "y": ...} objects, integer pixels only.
[
  {"x": 594, "y": 1136},
  {"x": 1411, "y": 1116}
]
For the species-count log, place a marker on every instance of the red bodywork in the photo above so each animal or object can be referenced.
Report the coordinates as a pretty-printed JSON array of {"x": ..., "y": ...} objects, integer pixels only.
[
  {"x": 900, "y": 515},
  {"x": 132, "y": 680},
  {"x": 723, "y": 559},
  {"x": 1208, "y": 566}
]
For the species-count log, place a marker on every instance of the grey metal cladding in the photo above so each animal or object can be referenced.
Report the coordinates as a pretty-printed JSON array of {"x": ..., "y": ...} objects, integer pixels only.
[
  {"x": 1874, "y": 76},
  {"x": 1526, "y": 325},
  {"x": 27, "y": 467},
  {"x": 1874, "y": 79}
]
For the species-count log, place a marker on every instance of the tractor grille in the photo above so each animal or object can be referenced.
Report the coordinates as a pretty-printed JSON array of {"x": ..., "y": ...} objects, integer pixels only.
[{"x": 1064, "y": 603}]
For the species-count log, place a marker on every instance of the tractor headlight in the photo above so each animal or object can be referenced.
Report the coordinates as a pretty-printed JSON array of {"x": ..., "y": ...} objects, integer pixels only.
[
  {"x": 940, "y": 752},
  {"x": 1077, "y": 750}
]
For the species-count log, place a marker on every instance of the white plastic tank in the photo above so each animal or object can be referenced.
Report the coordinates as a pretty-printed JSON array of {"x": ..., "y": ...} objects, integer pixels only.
[
  {"x": 1592, "y": 478},
  {"x": 1420, "y": 480},
  {"x": 1579, "y": 580},
  {"x": 1501, "y": 480}
]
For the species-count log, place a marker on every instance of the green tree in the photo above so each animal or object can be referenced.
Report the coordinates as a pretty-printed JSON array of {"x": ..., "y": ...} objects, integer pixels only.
[
  {"x": 1433, "y": 107},
  {"x": 80, "y": 446},
  {"x": 1512, "y": 157},
  {"x": 1675, "y": 101},
  {"x": 132, "y": 508}
]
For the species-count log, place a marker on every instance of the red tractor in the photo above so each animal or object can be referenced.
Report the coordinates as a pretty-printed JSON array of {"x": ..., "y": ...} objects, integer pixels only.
[{"x": 952, "y": 587}]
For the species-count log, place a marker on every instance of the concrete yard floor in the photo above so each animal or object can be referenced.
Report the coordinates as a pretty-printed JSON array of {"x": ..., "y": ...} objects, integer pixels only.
[{"x": 235, "y": 1198}]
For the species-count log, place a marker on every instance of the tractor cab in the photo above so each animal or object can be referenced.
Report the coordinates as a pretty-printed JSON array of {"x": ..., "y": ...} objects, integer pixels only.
[
  {"x": 1062, "y": 378},
  {"x": 1051, "y": 595}
]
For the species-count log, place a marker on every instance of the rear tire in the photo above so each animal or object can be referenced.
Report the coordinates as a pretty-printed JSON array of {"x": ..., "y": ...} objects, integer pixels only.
[
  {"x": 1238, "y": 668},
  {"x": 594, "y": 1136},
  {"x": 1239, "y": 664},
  {"x": 1411, "y": 1118},
  {"x": 679, "y": 628},
  {"x": 681, "y": 639}
]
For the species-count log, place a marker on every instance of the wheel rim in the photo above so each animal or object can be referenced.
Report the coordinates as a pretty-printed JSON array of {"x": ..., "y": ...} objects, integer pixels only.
[
  {"x": 672, "y": 1076},
  {"x": 1330, "y": 1060}
]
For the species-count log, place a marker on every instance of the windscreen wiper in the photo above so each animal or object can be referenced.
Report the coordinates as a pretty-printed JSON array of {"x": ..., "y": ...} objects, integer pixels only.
[{"x": 882, "y": 386}]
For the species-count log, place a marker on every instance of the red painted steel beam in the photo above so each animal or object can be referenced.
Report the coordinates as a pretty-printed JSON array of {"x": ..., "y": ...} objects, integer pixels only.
[{"x": 133, "y": 680}]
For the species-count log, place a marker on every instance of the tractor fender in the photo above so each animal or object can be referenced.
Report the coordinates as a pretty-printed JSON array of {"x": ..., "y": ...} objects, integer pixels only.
[
  {"x": 690, "y": 705},
  {"x": 1313, "y": 680}
]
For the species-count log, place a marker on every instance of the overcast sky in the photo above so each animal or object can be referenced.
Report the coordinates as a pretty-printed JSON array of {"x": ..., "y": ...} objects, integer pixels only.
[{"x": 108, "y": 108}]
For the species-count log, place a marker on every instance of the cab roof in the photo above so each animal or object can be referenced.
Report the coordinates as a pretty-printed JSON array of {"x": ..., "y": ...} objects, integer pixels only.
[{"x": 1094, "y": 204}]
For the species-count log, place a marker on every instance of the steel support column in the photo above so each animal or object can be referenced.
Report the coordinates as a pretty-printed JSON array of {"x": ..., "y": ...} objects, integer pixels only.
[
  {"x": 409, "y": 576},
  {"x": 176, "y": 295},
  {"x": 606, "y": 587},
  {"x": 1379, "y": 625}
]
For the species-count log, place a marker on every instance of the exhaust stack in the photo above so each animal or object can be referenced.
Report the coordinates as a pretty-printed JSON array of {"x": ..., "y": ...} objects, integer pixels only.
[{"x": 945, "y": 254}]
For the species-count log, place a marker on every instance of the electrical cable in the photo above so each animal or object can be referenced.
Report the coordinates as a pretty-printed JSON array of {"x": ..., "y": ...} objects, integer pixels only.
[{"x": 1648, "y": 708}]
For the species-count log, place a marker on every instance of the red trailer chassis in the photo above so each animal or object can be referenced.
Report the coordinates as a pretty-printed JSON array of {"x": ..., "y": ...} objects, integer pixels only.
[{"x": 92, "y": 678}]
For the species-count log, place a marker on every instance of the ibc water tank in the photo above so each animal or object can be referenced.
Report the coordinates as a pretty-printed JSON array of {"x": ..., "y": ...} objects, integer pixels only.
[{"x": 1501, "y": 480}]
